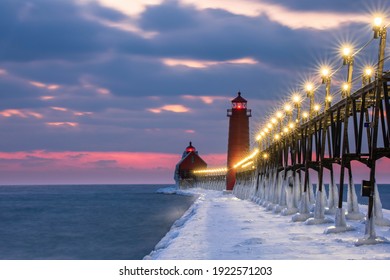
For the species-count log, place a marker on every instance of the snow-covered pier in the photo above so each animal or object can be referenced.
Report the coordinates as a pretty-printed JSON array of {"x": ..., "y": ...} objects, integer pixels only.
[{"x": 220, "y": 226}]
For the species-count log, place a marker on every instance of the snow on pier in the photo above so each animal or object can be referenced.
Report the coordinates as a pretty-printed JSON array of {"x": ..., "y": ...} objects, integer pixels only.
[{"x": 220, "y": 226}]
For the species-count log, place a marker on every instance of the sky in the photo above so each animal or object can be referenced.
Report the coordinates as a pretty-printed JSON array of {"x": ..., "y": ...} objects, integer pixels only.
[{"x": 112, "y": 91}]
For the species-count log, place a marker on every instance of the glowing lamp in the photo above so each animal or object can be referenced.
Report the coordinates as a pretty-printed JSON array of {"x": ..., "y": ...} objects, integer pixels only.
[
  {"x": 377, "y": 26},
  {"x": 273, "y": 120},
  {"x": 285, "y": 130},
  {"x": 309, "y": 87},
  {"x": 258, "y": 138},
  {"x": 325, "y": 72},
  {"x": 305, "y": 115},
  {"x": 378, "y": 21},
  {"x": 266, "y": 130},
  {"x": 347, "y": 51},
  {"x": 277, "y": 137},
  {"x": 368, "y": 71},
  {"x": 347, "y": 55},
  {"x": 329, "y": 98},
  {"x": 296, "y": 98},
  {"x": 279, "y": 115},
  {"x": 287, "y": 108},
  {"x": 345, "y": 87},
  {"x": 265, "y": 156},
  {"x": 291, "y": 125},
  {"x": 317, "y": 107},
  {"x": 269, "y": 125}
]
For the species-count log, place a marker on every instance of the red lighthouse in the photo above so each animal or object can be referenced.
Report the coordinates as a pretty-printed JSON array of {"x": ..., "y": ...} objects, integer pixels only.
[
  {"x": 189, "y": 162},
  {"x": 238, "y": 142}
]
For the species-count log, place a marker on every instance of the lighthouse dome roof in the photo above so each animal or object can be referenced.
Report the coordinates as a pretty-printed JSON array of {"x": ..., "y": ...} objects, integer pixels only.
[{"x": 239, "y": 99}]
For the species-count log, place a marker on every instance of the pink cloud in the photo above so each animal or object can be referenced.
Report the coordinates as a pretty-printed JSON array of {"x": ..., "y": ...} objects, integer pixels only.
[
  {"x": 62, "y": 124},
  {"x": 192, "y": 63},
  {"x": 82, "y": 113},
  {"x": 175, "y": 108},
  {"x": 205, "y": 99},
  {"x": 294, "y": 19},
  {"x": 59, "y": 109},
  {"x": 103, "y": 91},
  {"x": 20, "y": 113},
  {"x": 46, "y": 97},
  {"x": 45, "y": 86}
]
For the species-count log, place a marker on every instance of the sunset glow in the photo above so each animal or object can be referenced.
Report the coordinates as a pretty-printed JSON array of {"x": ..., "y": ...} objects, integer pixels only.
[
  {"x": 175, "y": 108},
  {"x": 20, "y": 113},
  {"x": 46, "y": 86},
  {"x": 129, "y": 166},
  {"x": 292, "y": 18},
  {"x": 204, "y": 64},
  {"x": 63, "y": 124}
]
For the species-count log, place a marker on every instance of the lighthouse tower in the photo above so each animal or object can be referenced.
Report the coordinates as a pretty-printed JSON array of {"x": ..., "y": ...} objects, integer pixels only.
[{"x": 238, "y": 142}]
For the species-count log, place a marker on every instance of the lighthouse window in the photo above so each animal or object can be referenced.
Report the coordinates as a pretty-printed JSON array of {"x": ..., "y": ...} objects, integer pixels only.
[{"x": 238, "y": 105}]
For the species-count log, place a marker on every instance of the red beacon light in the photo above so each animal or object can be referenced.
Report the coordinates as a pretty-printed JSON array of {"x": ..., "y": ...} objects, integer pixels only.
[
  {"x": 239, "y": 103},
  {"x": 190, "y": 148}
]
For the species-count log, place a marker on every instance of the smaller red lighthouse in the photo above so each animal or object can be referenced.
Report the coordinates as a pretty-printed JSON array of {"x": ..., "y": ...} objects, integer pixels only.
[
  {"x": 238, "y": 142},
  {"x": 189, "y": 162}
]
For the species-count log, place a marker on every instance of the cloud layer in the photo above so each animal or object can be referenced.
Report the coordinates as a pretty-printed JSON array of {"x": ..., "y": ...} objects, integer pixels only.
[{"x": 97, "y": 76}]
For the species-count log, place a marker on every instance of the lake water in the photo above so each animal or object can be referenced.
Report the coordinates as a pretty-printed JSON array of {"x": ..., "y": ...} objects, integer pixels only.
[
  {"x": 105, "y": 222},
  {"x": 85, "y": 222}
]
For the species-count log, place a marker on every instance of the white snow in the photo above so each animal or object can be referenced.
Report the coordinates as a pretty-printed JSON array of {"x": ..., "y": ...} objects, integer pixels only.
[
  {"x": 220, "y": 226},
  {"x": 174, "y": 190}
]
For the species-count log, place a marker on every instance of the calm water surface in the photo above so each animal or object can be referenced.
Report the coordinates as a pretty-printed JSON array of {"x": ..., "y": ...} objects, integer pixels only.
[
  {"x": 92, "y": 222},
  {"x": 85, "y": 222}
]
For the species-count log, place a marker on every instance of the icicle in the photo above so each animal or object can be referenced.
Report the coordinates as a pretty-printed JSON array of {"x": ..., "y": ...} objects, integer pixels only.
[
  {"x": 297, "y": 189},
  {"x": 261, "y": 191},
  {"x": 290, "y": 193},
  {"x": 340, "y": 223},
  {"x": 319, "y": 210},
  {"x": 378, "y": 213},
  {"x": 304, "y": 212},
  {"x": 353, "y": 212},
  {"x": 324, "y": 197},
  {"x": 282, "y": 196},
  {"x": 310, "y": 191},
  {"x": 269, "y": 205},
  {"x": 370, "y": 237},
  {"x": 333, "y": 196},
  {"x": 277, "y": 189},
  {"x": 266, "y": 192}
]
